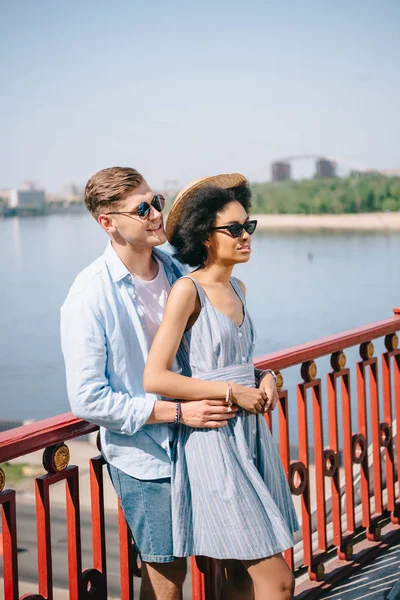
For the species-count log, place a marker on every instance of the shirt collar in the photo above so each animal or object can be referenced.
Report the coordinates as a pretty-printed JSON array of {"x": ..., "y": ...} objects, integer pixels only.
[
  {"x": 117, "y": 268},
  {"x": 115, "y": 265},
  {"x": 163, "y": 256}
]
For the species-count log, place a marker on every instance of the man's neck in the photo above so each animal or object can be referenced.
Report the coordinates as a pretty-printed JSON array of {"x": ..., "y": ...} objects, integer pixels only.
[{"x": 139, "y": 262}]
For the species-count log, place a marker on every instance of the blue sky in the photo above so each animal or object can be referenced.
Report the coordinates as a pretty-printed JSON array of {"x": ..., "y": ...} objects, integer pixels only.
[{"x": 184, "y": 89}]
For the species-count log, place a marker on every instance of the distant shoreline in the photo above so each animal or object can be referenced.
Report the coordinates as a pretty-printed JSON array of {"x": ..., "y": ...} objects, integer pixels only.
[
  {"x": 387, "y": 221},
  {"x": 377, "y": 221}
]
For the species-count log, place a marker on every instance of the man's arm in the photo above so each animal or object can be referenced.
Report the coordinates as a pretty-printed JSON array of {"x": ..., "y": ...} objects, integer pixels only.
[
  {"x": 90, "y": 394},
  {"x": 194, "y": 413}
]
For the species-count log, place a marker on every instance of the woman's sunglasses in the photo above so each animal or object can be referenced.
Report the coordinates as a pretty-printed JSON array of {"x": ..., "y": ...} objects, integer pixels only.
[
  {"x": 236, "y": 229},
  {"x": 143, "y": 210}
]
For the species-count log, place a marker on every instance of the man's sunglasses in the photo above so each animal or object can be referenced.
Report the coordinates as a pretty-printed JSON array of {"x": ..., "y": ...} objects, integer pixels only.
[
  {"x": 143, "y": 210},
  {"x": 236, "y": 229}
]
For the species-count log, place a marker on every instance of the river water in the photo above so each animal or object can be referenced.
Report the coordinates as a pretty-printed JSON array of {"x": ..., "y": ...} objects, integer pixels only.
[{"x": 300, "y": 286}]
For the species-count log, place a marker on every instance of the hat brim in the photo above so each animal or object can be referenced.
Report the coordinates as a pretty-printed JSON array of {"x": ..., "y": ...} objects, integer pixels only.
[{"x": 225, "y": 181}]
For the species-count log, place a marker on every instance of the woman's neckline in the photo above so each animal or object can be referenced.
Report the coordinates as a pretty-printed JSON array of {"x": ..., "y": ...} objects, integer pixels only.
[{"x": 222, "y": 312}]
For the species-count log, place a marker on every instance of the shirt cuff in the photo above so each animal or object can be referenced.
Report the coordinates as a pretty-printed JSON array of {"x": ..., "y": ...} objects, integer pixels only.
[{"x": 141, "y": 412}]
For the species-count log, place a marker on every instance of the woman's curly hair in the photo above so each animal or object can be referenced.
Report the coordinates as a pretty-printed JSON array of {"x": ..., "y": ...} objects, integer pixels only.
[{"x": 198, "y": 218}]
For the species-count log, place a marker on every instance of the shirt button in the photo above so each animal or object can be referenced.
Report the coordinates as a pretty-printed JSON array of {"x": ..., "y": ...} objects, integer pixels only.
[
  {"x": 240, "y": 334},
  {"x": 134, "y": 296},
  {"x": 243, "y": 359},
  {"x": 129, "y": 277},
  {"x": 254, "y": 455},
  {"x": 254, "y": 430}
]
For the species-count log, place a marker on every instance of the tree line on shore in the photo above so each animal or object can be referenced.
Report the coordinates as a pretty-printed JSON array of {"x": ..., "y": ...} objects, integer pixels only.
[
  {"x": 367, "y": 192},
  {"x": 359, "y": 193}
]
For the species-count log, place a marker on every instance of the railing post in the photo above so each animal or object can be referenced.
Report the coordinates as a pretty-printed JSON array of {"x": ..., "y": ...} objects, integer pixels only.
[
  {"x": 363, "y": 429},
  {"x": 338, "y": 362},
  {"x": 348, "y": 453},
  {"x": 9, "y": 542},
  {"x": 204, "y": 578},
  {"x": 126, "y": 557},
  {"x": 98, "y": 520},
  {"x": 387, "y": 426},
  {"x": 43, "y": 538}
]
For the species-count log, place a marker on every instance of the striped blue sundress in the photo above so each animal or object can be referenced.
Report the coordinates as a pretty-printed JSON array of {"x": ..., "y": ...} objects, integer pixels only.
[{"x": 230, "y": 496}]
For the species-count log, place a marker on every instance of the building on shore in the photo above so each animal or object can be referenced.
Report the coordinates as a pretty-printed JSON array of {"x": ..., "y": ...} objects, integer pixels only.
[
  {"x": 281, "y": 171},
  {"x": 325, "y": 168},
  {"x": 30, "y": 199}
]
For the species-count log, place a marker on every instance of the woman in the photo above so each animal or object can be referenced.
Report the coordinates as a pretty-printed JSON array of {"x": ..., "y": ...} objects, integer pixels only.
[{"x": 230, "y": 497}]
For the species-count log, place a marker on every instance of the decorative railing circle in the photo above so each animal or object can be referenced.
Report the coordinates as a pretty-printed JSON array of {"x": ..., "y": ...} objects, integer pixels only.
[
  {"x": 2, "y": 480},
  {"x": 331, "y": 462},
  {"x": 391, "y": 342},
  {"x": 279, "y": 381},
  {"x": 56, "y": 458},
  {"x": 367, "y": 350},
  {"x": 358, "y": 448},
  {"x": 338, "y": 360},
  {"x": 298, "y": 478},
  {"x": 385, "y": 432},
  {"x": 317, "y": 571},
  {"x": 308, "y": 370},
  {"x": 374, "y": 532},
  {"x": 92, "y": 584},
  {"x": 320, "y": 571},
  {"x": 348, "y": 552}
]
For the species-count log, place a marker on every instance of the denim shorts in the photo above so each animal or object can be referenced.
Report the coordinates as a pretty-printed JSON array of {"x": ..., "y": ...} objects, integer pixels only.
[{"x": 147, "y": 509}]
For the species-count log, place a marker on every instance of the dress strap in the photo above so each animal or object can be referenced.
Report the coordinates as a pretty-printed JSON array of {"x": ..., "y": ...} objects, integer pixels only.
[
  {"x": 201, "y": 293},
  {"x": 236, "y": 286}
]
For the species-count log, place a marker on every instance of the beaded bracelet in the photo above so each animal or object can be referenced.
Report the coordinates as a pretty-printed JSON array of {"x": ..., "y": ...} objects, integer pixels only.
[{"x": 178, "y": 410}]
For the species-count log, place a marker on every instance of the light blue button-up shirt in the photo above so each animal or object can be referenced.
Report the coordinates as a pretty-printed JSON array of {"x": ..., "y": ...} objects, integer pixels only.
[{"x": 105, "y": 349}]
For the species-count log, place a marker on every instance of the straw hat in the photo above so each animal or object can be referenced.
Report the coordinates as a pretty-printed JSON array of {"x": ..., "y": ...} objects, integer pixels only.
[{"x": 225, "y": 181}]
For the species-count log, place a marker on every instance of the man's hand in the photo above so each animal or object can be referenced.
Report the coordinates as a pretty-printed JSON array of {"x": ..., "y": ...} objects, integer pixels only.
[
  {"x": 206, "y": 413},
  {"x": 268, "y": 386}
]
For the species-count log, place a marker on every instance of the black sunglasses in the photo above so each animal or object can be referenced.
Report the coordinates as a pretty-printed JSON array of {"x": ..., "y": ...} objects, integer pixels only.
[
  {"x": 236, "y": 229},
  {"x": 143, "y": 210}
]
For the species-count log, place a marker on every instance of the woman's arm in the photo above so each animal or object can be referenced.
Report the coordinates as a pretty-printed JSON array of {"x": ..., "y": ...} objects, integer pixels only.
[{"x": 160, "y": 380}]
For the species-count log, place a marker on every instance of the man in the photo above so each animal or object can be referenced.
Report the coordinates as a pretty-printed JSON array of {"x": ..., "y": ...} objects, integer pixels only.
[{"x": 108, "y": 322}]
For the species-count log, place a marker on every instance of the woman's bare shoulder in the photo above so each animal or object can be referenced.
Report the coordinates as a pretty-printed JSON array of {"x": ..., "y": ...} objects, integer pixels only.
[
  {"x": 243, "y": 287},
  {"x": 184, "y": 287},
  {"x": 182, "y": 292}
]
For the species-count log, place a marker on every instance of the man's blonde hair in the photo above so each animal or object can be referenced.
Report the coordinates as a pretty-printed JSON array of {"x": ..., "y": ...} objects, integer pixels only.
[{"x": 110, "y": 186}]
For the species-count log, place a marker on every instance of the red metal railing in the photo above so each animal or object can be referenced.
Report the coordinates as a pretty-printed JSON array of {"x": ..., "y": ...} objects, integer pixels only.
[{"x": 331, "y": 523}]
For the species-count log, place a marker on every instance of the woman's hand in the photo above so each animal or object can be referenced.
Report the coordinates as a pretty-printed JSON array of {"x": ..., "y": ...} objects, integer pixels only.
[
  {"x": 268, "y": 387},
  {"x": 251, "y": 399}
]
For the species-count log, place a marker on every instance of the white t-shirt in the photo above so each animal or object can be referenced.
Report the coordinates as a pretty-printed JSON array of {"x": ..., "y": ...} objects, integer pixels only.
[{"x": 151, "y": 300}]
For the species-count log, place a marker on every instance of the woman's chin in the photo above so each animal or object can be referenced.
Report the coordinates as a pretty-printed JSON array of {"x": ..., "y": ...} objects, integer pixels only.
[{"x": 243, "y": 257}]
